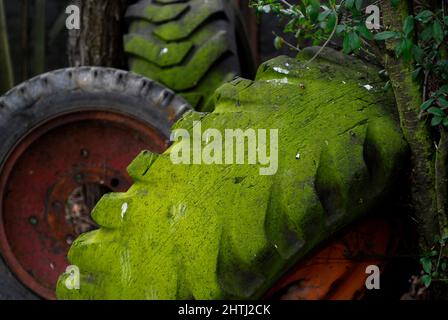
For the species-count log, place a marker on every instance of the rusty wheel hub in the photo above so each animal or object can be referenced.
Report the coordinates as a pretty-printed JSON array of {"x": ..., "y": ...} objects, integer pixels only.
[{"x": 52, "y": 179}]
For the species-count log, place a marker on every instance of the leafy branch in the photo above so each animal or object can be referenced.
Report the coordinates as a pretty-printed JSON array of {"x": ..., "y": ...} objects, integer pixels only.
[{"x": 412, "y": 47}]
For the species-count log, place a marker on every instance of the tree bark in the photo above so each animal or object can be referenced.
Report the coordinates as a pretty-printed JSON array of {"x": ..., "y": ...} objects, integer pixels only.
[
  {"x": 39, "y": 38},
  {"x": 6, "y": 72},
  {"x": 99, "y": 42},
  {"x": 441, "y": 180},
  {"x": 409, "y": 98}
]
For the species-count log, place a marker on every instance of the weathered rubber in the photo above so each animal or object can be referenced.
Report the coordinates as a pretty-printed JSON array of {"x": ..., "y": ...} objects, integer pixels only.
[
  {"x": 21, "y": 108},
  {"x": 224, "y": 231},
  {"x": 75, "y": 90},
  {"x": 190, "y": 46}
]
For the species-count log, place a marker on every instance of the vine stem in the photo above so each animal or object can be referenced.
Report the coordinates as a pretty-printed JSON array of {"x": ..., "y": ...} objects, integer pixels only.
[
  {"x": 326, "y": 42},
  {"x": 287, "y": 43},
  {"x": 286, "y": 3},
  {"x": 425, "y": 85},
  {"x": 441, "y": 181}
]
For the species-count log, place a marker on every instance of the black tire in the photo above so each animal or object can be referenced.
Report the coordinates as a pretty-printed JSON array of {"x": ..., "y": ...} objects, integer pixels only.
[
  {"x": 76, "y": 90},
  {"x": 190, "y": 46}
]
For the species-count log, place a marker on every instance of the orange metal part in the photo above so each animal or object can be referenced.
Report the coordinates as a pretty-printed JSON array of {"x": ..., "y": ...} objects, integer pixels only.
[{"x": 337, "y": 271}]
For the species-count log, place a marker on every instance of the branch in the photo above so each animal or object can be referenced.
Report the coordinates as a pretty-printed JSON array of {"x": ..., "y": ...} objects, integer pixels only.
[
  {"x": 408, "y": 97},
  {"x": 286, "y": 3},
  {"x": 441, "y": 180},
  {"x": 286, "y": 42},
  {"x": 326, "y": 42}
]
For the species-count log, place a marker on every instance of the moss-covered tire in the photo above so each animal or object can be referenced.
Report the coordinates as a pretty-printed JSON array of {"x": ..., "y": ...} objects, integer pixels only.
[
  {"x": 191, "y": 46},
  {"x": 57, "y": 117},
  {"x": 229, "y": 231}
]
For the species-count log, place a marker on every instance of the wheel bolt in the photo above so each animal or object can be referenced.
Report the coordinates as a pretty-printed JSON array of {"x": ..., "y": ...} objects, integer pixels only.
[
  {"x": 79, "y": 178},
  {"x": 33, "y": 220},
  {"x": 84, "y": 153},
  {"x": 69, "y": 239}
]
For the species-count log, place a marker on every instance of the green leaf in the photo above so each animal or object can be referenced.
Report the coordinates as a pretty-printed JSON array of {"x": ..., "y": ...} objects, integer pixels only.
[
  {"x": 395, "y": 3},
  {"x": 323, "y": 15},
  {"x": 331, "y": 21},
  {"x": 265, "y": 9},
  {"x": 427, "y": 104},
  {"x": 358, "y": 4},
  {"x": 443, "y": 102},
  {"x": 313, "y": 10},
  {"x": 436, "y": 121},
  {"x": 278, "y": 43},
  {"x": 386, "y": 35},
  {"x": 408, "y": 25},
  {"x": 416, "y": 73},
  {"x": 340, "y": 28},
  {"x": 291, "y": 26},
  {"x": 418, "y": 54},
  {"x": 442, "y": 90},
  {"x": 426, "y": 279},
  {"x": 437, "y": 31},
  {"x": 352, "y": 42},
  {"x": 346, "y": 44},
  {"x": 436, "y": 111},
  {"x": 424, "y": 16},
  {"x": 443, "y": 266},
  {"x": 427, "y": 33},
  {"x": 349, "y": 3},
  {"x": 364, "y": 31},
  {"x": 442, "y": 69},
  {"x": 355, "y": 41},
  {"x": 404, "y": 48},
  {"x": 426, "y": 264},
  {"x": 445, "y": 122}
]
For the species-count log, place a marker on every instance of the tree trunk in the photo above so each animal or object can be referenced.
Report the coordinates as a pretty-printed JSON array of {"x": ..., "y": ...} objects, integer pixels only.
[
  {"x": 6, "y": 72},
  {"x": 99, "y": 42},
  {"x": 409, "y": 98},
  {"x": 39, "y": 38}
]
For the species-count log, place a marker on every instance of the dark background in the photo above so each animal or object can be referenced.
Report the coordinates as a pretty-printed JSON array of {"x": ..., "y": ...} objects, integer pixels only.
[{"x": 21, "y": 21}]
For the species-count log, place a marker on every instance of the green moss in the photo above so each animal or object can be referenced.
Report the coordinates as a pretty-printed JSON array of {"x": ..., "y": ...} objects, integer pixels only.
[
  {"x": 194, "y": 70},
  {"x": 160, "y": 14},
  {"x": 163, "y": 56},
  {"x": 192, "y": 66},
  {"x": 178, "y": 30},
  {"x": 225, "y": 231}
]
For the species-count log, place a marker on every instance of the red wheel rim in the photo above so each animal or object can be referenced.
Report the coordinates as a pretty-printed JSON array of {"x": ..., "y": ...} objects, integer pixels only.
[{"x": 40, "y": 176}]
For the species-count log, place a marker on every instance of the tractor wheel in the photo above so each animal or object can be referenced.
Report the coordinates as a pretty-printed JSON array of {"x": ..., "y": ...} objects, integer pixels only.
[
  {"x": 190, "y": 46},
  {"x": 67, "y": 138},
  {"x": 223, "y": 231}
]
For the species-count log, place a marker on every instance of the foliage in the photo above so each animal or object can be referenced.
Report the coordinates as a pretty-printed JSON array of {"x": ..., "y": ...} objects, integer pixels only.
[
  {"x": 421, "y": 43},
  {"x": 435, "y": 263},
  {"x": 319, "y": 20}
]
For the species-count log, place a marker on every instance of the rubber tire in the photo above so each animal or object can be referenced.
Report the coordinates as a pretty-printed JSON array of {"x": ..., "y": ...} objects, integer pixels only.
[
  {"x": 73, "y": 90},
  {"x": 190, "y": 46}
]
